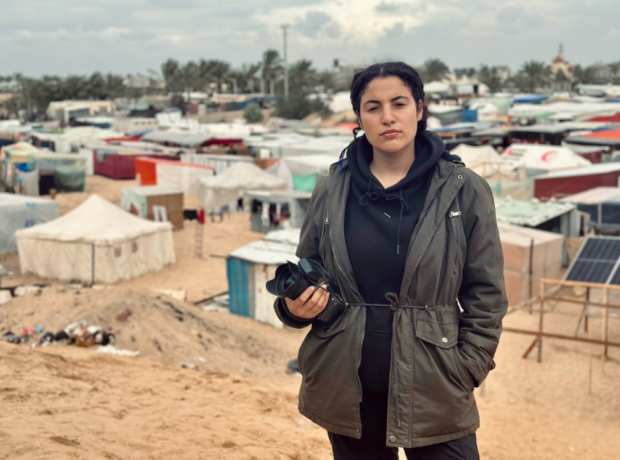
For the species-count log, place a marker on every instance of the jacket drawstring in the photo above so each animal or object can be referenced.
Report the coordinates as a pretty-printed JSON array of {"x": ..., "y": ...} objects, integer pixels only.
[
  {"x": 370, "y": 195},
  {"x": 403, "y": 206}
]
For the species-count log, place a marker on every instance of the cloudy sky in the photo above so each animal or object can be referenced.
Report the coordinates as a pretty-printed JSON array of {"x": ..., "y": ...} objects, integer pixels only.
[{"x": 128, "y": 36}]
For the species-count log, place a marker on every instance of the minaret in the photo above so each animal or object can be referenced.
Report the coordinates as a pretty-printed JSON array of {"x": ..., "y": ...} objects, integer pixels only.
[{"x": 561, "y": 53}]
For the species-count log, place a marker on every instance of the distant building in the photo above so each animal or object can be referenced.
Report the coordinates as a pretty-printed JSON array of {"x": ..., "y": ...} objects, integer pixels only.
[
  {"x": 561, "y": 71},
  {"x": 343, "y": 74}
]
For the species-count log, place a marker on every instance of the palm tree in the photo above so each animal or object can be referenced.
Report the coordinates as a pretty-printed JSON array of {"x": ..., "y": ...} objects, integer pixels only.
[
  {"x": 245, "y": 76},
  {"x": 170, "y": 70},
  {"x": 490, "y": 77},
  {"x": 271, "y": 66},
  {"x": 434, "y": 69},
  {"x": 537, "y": 73},
  {"x": 614, "y": 69},
  {"x": 301, "y": 76}
]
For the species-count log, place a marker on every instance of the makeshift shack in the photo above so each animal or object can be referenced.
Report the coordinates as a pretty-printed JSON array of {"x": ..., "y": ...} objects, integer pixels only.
[
  {"x": 34, "y": 172},
  {"x": 601, "y": 203},
  {"x": 173, "y": 174},
  {"x": 250, "y": 267},
  {"x": 155, "y": 202},
  {"x": 529, "y": 255},
  {"x": 120, "y": 164},
  {"x": 275, "y": 210},
  {"x": 555, "y": 217},
  {"x": 234, "y": 183},
  {"x": 17, "y": 212},
  {"x": 563, "y": 183},
  {"x": 96, "y": 242}
]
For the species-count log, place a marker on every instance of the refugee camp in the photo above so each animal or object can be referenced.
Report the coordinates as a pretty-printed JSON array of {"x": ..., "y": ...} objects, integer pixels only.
[{"x": 310, "y": 231}]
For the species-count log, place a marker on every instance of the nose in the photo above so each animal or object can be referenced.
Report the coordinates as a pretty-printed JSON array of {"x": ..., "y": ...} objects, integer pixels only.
[{"x": 388, "y": 116}]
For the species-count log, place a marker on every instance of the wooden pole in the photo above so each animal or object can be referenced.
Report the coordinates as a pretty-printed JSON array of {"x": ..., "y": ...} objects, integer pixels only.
[
  {"x": 590, "y": 365},
  {"x": 604, "y": 327},
  {"x": 540, "y": 321}
]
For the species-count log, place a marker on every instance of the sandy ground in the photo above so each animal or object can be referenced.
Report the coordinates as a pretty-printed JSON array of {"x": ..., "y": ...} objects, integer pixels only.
[{"x": 64, "y": 402}]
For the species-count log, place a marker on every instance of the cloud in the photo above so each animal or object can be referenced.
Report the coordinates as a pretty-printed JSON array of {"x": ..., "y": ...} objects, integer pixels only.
[
  {"x": 73, "y": 36},
  {"x": 316, "y": 24}
]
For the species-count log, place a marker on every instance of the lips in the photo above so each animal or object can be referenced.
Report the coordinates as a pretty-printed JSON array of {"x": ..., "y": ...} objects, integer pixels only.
[{"x": 390, "y": 133}]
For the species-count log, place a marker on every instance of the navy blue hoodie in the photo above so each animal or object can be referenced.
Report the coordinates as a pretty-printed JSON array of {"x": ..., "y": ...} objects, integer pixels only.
[{"x": 379, "y": 223}]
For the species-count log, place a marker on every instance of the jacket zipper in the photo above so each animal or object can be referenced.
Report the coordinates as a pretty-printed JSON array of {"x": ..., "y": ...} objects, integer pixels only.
[{"x": 454, "y": 214}]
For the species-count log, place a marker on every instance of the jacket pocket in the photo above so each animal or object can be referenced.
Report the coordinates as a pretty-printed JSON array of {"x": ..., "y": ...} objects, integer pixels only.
[{"x": 444, "y": 335}]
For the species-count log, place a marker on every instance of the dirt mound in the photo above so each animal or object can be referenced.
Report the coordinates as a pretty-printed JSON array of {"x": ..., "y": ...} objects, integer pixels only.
[
  {"x": 67, "y": 402},
  {"x": 158, "y": 326}
]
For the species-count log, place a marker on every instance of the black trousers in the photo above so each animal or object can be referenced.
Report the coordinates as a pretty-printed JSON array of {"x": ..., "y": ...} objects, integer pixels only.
[{"x": 372, "y": 445}]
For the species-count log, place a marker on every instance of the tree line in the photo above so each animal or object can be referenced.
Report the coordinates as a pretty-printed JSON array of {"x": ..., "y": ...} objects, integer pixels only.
[{"x": 33, "y": 95}]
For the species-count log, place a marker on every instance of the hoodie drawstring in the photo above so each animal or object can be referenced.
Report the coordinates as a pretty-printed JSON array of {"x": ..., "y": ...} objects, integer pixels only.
[{"x": 370, "y": 195}]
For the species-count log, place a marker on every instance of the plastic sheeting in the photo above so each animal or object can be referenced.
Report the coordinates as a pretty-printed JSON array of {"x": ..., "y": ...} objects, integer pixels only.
[
  {"x": 234, "y": 183},
  {"x": 219, "y": 163},
  {"x": 96, "y": 242},
  {"x": 181, "y": 176},
  {"x": 19, "y": 212}
]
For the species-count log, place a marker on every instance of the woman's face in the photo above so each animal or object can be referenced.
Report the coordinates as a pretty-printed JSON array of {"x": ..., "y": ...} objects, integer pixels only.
[{"x": 388, "y": 114}]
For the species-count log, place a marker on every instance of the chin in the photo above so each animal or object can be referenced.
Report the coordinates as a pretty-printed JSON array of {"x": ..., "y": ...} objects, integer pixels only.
[{"x": 392, "y": 146}]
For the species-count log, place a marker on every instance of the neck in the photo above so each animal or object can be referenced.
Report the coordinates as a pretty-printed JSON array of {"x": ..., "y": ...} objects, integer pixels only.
[{"x": 391, "y": 168}]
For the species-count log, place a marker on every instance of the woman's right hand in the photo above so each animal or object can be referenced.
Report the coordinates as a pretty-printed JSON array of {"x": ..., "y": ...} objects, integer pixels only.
[{"x": 309, "y": 304}]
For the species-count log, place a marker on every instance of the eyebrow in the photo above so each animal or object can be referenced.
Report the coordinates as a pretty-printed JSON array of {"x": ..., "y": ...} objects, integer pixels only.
[{"x": 372, "y": 101}]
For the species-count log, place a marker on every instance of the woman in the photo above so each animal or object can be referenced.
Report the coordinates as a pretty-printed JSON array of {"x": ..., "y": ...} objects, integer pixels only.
[{"x": 403, "y": 220}]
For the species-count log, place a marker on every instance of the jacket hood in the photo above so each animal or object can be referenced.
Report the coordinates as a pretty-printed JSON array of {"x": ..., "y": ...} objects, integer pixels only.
[{"x": 428, "y": 149}]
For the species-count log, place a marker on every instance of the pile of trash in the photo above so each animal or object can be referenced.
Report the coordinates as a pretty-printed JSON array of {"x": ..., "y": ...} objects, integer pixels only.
[{"x": 77, "y": 333}]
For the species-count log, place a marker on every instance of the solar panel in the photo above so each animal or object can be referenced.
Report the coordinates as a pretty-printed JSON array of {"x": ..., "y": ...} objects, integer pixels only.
[{"x": 598, "y": 261}]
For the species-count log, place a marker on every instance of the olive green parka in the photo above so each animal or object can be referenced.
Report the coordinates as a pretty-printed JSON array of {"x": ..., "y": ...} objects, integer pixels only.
[{"x": 440, "y": 352}]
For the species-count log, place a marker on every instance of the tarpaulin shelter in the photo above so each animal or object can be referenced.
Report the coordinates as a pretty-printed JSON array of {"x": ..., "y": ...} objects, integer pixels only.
[
  {"x": 173, "y": 174},
  {"x": 484, "y": 161},
  {"x": 234, "y": 183},
  {"x": 218, "y": 162},
  {"x": 17, "y": 212},
  {"x": 63, "y": 171},
  {"x": 543, "y": 159},
  {"x": 95, "y": 242},
  {"x": 154, "y": 202},
  {"x": 563, "y": 183},
  {"x": 306, "y": 169}
]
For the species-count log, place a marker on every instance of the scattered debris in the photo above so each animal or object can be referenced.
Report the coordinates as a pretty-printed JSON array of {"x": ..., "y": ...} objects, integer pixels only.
[
  {"x": 293, "y": 367},
  {"x": 123, "y": 315},
  {"x": 179, "y": 295},
  {"x": 112, "y": 350},
  {"x": 220, "y": 304},
  {"x": 5, "y": 296}
]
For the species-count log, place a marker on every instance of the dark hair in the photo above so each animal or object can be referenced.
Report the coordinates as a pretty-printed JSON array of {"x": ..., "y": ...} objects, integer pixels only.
[{"x": 405, "y": 72}]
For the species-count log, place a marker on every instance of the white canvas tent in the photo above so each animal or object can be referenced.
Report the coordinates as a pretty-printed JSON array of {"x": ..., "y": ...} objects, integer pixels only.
[
  {"x": 484, "y": 160},
  {"x": 17, "y": 212},
  {"x": 96, "y": 242},
  {"x": 310, "y": 164},
  {"x": 234, "y": 183},
  {"x": 542, "y": 159}
]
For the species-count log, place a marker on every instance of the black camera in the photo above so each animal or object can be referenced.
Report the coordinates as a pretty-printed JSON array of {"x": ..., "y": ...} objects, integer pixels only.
[{"x": 293, "y": 279}]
